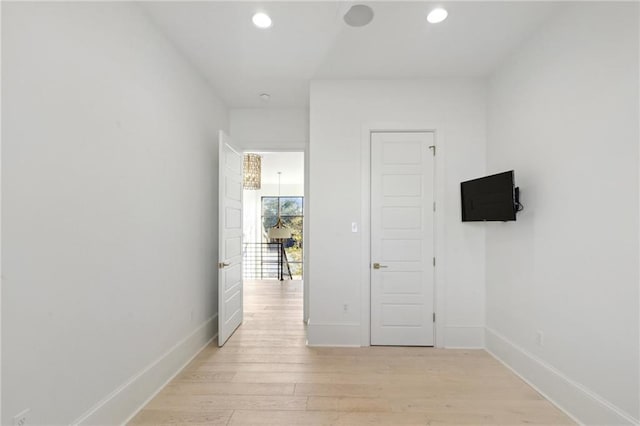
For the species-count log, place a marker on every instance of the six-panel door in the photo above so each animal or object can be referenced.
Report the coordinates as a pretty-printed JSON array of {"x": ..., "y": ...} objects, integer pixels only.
[{"x": 402, "y": 246}]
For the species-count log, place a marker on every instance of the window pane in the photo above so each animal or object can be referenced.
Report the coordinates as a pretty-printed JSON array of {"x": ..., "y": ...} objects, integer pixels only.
[
  {"x": 293, "y": 246},
  {"x": 296, "y": 270},
  {"x": 291, "y": 214},
  {"x": 291, "y": 206},
  {"x": 269, "y": 206},
  {"x": 269, "y": 212}
]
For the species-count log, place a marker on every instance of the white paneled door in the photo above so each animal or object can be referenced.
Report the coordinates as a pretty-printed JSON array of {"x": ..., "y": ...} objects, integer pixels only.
[
  {"x": 402, "y": 238},
  {"x": 229, "y": 239}
]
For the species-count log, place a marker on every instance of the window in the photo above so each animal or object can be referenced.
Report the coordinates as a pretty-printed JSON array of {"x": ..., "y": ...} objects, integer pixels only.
[{"x": 290, "y": 210}]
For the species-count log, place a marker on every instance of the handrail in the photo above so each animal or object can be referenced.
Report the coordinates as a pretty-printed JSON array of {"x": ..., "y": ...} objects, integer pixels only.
[{"x": 265, "y": 261}]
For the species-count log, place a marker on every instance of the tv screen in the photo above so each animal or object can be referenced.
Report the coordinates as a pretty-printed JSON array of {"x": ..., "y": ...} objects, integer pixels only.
[{"x": 491, "y": 198}]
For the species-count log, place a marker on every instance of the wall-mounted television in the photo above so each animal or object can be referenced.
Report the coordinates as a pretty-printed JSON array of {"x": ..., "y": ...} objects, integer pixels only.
[{"x": 490, "y": 198}]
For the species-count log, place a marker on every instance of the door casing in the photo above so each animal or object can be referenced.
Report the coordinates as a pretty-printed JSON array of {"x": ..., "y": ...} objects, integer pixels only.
[
  {"x": 365, "y": 267},
  {"x": 424, "y": 335},
  {"x": 305, "y": 212}
]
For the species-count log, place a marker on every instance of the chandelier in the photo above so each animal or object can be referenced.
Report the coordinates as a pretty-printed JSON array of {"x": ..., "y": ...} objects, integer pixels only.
[{"x": 252, "y": 170}]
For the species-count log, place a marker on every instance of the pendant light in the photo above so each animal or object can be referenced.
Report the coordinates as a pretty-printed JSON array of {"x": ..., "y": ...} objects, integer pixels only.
[
  {"x": 252, "y": 171},
  {"x": 279, "y": 232}
]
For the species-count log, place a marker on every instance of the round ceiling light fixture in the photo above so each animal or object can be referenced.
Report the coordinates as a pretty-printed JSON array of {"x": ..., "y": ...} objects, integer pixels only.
[
  {"x": 261, "y": 20},
  {"x": 437, "y": 15},
  {"x": 358, "y": 15},
  {"x": 265, "y": 97}
]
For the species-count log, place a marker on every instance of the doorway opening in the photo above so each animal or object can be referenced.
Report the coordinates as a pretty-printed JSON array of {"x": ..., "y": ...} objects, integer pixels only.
[{"x": 273, "y": 238}]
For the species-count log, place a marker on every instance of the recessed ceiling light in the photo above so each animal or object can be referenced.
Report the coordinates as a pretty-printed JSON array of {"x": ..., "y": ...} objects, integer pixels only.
[
  {"x": 437, "y": 15},
  {"x": 261, "y": 20},
  {"x": 265, "y": 97},
  {"x": 358, "y": 15}
]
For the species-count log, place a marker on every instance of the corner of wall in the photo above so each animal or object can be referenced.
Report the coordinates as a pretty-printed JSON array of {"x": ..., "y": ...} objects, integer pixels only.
[{"x": 574, "y": 399}]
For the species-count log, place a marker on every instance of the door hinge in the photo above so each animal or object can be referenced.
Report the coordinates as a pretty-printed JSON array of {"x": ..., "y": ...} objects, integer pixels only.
[
  {"x": 434, "y": 261},
  {"x": 433, "y": 149},
  {"x": 434, "y": 206},
  {"x": 434, "y": 317}
]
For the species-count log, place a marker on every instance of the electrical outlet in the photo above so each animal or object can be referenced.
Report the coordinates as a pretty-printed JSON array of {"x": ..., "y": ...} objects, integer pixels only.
[
  {"x": 345, "y": 308},
  {"x": 539, "y": 338},
  {"x": 21, "y": 418},
  {"x": 354, "y": 227}
]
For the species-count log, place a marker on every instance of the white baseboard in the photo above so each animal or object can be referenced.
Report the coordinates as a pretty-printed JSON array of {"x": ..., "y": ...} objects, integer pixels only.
[
  {"x": 464, "y": 337},
  {"x": 332, "y": 346},
  {"x": 581, "y": 404},
  {"x": 124, "y": 402},
  {"x": 349, "y": 334},
  {"x": 333, "y": 334}
]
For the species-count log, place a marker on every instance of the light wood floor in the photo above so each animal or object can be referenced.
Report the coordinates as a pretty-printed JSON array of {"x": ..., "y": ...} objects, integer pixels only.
[{"x": 266, "y": 375}]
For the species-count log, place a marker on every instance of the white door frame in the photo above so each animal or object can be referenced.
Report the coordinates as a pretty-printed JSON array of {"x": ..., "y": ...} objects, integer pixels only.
[
  {"x": 305, "y": 213},
  {"x": 439, "y": 216}
]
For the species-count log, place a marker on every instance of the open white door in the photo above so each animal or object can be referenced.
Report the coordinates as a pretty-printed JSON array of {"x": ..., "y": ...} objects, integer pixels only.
[
  {"x": 230, "y": 307},
  {"x": 402, "y": 219}
]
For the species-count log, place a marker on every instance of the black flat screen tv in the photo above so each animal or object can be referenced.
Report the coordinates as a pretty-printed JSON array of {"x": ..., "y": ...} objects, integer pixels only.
[{"x": 490, "y": 198}]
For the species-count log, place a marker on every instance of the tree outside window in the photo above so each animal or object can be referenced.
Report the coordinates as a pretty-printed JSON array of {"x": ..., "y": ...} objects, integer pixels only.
[{"x": 290, "y": 210}]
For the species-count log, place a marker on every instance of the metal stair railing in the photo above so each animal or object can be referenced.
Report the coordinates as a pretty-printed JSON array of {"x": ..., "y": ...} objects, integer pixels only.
[{"x": 263, "y": 261}]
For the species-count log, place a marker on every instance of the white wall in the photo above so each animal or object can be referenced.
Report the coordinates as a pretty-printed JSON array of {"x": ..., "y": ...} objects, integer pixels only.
[
  {"x": 339, "y": 109},
  {"x": 270, "y": 128},
  {"x": 109, "y": 180},
  {"x": 278, "y": 129},
  {"x": 563, "y": 112}
]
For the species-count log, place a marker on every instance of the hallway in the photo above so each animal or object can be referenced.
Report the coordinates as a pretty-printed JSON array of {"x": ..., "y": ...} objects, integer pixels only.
[{"x": 266, "y": 375}]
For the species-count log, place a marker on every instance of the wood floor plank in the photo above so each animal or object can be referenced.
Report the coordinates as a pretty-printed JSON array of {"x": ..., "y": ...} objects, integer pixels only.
[
  {"x": 265, "y": 374},
  {"x": 227, "y": 402},
  {"x": 168, "y": 417},
  {"x": 426, "y": 390},
  {"x": 253, "y": 417},
  {"x": 177, "y": 387},
  {"x": 205, "y": 376},
  {"x": 349, "y": 404}
]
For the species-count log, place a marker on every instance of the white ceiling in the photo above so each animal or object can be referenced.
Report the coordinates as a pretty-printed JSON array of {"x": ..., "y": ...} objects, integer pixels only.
[
  {"x": 291, "y": 164},
  {"x": 309, "y": 40}
]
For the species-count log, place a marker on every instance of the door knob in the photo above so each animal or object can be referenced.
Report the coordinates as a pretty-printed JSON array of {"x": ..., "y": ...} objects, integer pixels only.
[
  {"x": 223, "y": 265},
  {"x": 378, "y": 266}
]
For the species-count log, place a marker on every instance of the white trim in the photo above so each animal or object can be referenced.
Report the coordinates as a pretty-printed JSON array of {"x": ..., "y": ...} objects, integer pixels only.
[
  {"x": 1, "y": 279},
  {"x": 365, "y": 212},
  {"x": 638, "y": 313},
  {"x": 333, "y": 334},
  {"x": 272, "y": 148},
  {"x": 331, "y": 345},
  {"x": 121, "y": 405},
  {"x": 305, "y": 237},
  {"x": 577, "y": 401}
]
